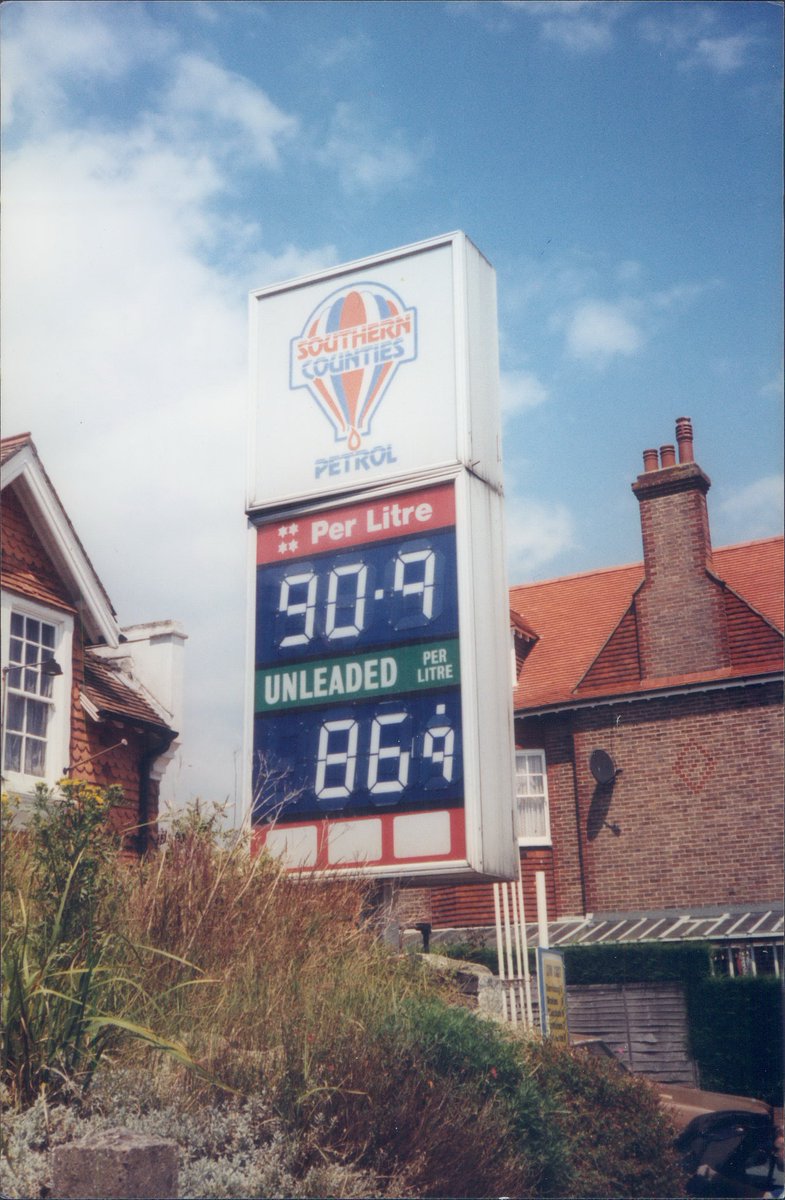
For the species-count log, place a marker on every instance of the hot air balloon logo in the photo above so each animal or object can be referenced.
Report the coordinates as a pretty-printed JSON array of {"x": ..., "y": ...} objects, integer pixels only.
[{"x": 348, "y": 353}]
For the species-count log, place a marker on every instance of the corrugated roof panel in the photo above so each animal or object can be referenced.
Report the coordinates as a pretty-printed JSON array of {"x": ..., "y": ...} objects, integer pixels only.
[{"x": 750, "y": 924}]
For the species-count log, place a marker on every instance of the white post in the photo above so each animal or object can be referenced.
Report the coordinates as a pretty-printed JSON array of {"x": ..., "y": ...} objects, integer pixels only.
[
  {"x": 542, "y": 909},
  {"x": 516, "y": 932},
  {"x": 499, "y": 952},
  {"x": 525, "y": 947},
  {"x": 510, "y": 965}
]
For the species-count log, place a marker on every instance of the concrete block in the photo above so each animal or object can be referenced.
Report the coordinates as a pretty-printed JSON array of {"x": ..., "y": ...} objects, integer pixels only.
[{"x": 115, "y": 1164}]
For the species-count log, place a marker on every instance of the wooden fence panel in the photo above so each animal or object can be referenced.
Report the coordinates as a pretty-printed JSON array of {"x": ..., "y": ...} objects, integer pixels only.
[{"x": 645, "y": 1024}]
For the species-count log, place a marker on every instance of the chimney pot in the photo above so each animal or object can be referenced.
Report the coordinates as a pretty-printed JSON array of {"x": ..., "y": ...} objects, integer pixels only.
[
  {"x": 651, "y": 460},
  {"x": 684, "y": 438},
  {"x": 668, "y": 456}
]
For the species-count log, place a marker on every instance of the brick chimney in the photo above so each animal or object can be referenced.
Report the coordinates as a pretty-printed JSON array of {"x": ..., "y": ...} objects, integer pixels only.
[{"x": 680, "y": 609}]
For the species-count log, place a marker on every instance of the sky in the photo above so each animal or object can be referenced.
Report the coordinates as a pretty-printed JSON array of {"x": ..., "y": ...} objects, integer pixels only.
[{"x": 618, "y": 163}]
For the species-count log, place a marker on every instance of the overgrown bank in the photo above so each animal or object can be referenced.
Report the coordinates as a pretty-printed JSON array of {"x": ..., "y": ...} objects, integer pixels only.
[{"x": 260, "y": 1023}]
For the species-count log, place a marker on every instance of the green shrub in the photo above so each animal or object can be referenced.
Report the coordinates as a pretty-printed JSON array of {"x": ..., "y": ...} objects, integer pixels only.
[
  {"x": 638, "y": 962},
  {"x": 486, "y": 956},
  {"x": 72, "y": 849},
  {"x": 485, "y": 1065},
  {"x": 236, "y": 1148},
  {"x": 618, "y": 1140},
  {"x": 54, "y": 949}
]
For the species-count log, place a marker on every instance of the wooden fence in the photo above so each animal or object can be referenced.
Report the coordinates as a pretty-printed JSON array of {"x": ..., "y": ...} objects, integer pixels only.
[{"x": 645, "y": 1024}]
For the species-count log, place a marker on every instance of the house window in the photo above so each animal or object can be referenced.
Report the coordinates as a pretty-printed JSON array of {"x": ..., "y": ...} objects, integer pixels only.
[
  {"x": 35, "y": 704},
  {"x": 532, "y": 795}
]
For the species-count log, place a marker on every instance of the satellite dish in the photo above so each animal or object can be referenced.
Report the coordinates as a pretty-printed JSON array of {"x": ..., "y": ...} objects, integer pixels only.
[{"x": 602, "y": 766}]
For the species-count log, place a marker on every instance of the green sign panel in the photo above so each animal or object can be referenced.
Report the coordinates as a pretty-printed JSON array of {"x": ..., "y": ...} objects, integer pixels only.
[{"x": 395, "y": 671}]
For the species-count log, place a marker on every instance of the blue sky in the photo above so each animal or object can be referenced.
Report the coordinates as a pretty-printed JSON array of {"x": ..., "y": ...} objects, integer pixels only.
[{"x": 618, "y": 163}]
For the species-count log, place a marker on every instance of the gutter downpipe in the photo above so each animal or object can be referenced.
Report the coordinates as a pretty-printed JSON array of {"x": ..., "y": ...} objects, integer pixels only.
[
  {"x": 146, "y": 761},
  {"x": 581, "y": 865}
]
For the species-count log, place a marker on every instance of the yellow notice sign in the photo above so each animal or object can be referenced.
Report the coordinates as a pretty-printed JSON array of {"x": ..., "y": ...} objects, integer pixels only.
[{"x": 553, "y": 995}]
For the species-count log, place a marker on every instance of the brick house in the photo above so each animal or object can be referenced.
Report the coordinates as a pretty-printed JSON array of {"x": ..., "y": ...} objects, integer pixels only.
[
  {"x": 109, "y": 711},
  {"x": 649, "y": 732}
]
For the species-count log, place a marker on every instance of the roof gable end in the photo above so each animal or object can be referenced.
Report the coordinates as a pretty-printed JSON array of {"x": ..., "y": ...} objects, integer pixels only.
[
  {"x": 22, "y": 467},
  {"x": 618, "y": 662},
  {"x": 753, "y": 640}
]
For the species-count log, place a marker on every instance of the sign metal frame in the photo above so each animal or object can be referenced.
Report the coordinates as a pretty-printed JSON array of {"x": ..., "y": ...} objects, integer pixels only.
[{"x": 480, "y": 831}]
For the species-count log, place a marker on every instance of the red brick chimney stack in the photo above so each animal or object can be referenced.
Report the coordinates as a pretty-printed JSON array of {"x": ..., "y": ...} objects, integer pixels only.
[{"x": 679, "y": 608}]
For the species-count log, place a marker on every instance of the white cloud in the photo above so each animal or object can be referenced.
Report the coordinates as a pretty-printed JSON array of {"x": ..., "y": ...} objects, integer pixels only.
[
  {"x": 722, "y": 54},
  {"x": 206, "y": 104},
  {"x": 50, "y": 47},
  {"x": 348, "y": 49},
  {"x": 691, "y": 33},
  {"x": 581, "y": 26},
  {"x": 775, "y": 386},
  {"x": 363, "y": 161},
  {"x": 754, "y": 511},
  {"x": 630, "y": 271},
  {"x": 682, "y": 294},
  {"x": 598, "y": 331},
  {"x": 536, "y": 533},
  {"x": 520, "y": 390},
  {"x": 692, "y": 36}
]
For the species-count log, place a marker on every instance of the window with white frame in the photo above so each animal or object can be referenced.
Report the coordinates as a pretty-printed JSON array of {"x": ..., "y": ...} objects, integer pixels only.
[
  {"x": 36, "y": 718},
  {"x": 531, "y": 787}
]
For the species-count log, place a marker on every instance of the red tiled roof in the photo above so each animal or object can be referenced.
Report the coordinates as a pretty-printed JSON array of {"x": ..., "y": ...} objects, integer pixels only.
[
  {"x": 578, "y": 616},
  {"x": 755, "y": 571},
  {"x": 113, "y": 696}
]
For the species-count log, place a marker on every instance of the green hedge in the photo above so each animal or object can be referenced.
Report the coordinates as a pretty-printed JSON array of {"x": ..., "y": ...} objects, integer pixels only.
[
  {"x": 640, "y": 962},
  {"x": 736, "y": 1035}
]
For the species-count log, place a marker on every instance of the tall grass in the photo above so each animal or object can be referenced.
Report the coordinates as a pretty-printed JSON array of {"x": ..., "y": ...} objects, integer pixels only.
[{"x": 67, "y": 997}]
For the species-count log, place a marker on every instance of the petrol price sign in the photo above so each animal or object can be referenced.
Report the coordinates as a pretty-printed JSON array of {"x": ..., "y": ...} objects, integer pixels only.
[
  {"x": 357, "y": 685},
  {"x": 378, "y": 694}
]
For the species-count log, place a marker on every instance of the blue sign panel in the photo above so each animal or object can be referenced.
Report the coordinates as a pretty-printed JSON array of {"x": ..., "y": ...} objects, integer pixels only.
[
  {"x": 361, "y": 757},
  {"x": 358, "y": 701},
  {"x": 349, "y": 600}
]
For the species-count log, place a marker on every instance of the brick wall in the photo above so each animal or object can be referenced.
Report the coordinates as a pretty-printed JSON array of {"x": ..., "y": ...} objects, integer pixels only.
[
  {"x": 472, "y": 903},
  {"x": 412, "y": 906},
  {"x": 121, "y": 765},
  {"x": 697, "y": 805},
  {"x": 695, "y": 816}
]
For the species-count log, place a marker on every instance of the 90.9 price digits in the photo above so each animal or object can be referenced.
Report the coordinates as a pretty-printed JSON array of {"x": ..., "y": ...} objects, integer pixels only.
[
  {"x": 374, "y": 595},
  {"x": 414, "y": 575}
]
